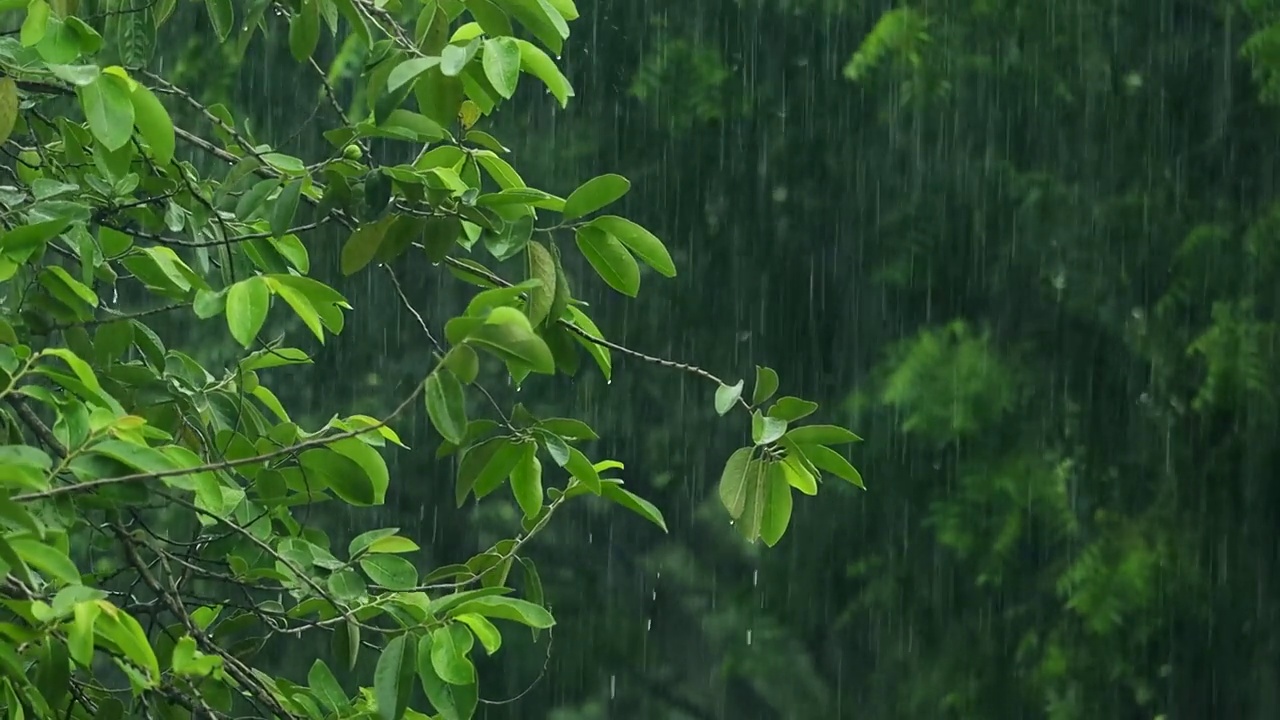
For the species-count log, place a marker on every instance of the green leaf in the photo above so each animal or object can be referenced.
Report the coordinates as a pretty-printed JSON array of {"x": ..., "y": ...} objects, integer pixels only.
[
  {"x": 828, "y": 460},
  {"x": 733, "y": 480},
  {"x": 821, "y": 435},
  {"x": 223, "y": 17},
  {"x": 507, "y": 608},
  {"x": 501, "y": 62},
  {"x": 766, "y": 385},
  {"x": 484, "y": 631},
  {"x": 776, "y": 511},
  {"x": 450, "y": 645},
  {"x": 792, "y": 409},
  {"x": 326, "y": 687},
  {"x": 454, "y": 58},
  {"x": 304, "y": 30},
  {"x": 594, "y": 194},
  {"x": 490, "y": 17},
  {"x": 610, "y": 259},
  {"x": 526, "y": 480},
  {"x": 635, "y": 504},
  {"x": 247, "y": 305},
  {"x": 390, "y": 571},
  {"x": 644, "y": 244},
  {"x": 374, "y": 467},
  {"x": 154, "y": 124},
  {"x": 409, "y": 70},
  {"x": 582, "y": 470},
  {"x": 108, "y": 106},
  {"x": 286, "y": 206},
  {"x": 446, "y": 405},
  {"x": 47, "y": 559},
  {"x": 8, "y": 107},
  {"x": 542, "y": 267},
  {"x": 599, "y": 353},
  {"x": 392, "y": 678},
  {"x": 485, "y": 466},
  {"x": 542, "y": 19},
  {"x": 26, "y": 239},
  {"x": 727, "y": 395},
  {"x": 508, "y": 334},
  {"x": 126, "y": 634},
  {"x": 799, "y": 476},
  {"x": 766, "y": 430},
  {"x": 35, "y": 24},
  {"x": 392, "y": 544},
  {"x": 362, "y": 246},
  {"x": 540, "y": 65},
  {"x": 454, "y": 702}
]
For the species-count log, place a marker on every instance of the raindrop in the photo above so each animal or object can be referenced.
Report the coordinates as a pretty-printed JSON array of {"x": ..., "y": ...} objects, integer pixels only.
[{"x": 613, "y": 686}]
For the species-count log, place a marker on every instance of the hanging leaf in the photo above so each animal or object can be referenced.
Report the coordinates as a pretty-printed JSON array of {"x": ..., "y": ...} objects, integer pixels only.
[
  {"x": 726, "y": 396},
  {"x": 108, "y": 106},
  {"x": 247, "y": 305},
  {"x": 222, "y": 16},
  {"x": 304, "y": 30},
  {"x": 154, "y": 124},
  {"x": 446, "y": 405},
  {"x": 8, "y": 107},
  {"x": 501, "y": 62},
  {"x": 610, "y": 260}
]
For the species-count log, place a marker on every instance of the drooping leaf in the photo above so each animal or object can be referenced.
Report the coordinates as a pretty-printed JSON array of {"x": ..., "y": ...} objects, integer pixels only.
[
  {"x": 526, "y": 480},
  {"x": 501, "y": 62},
  {"x": 247, "y": 304},
  {"x": 610, "y": 259},
  {"x": 154, "y": 124},
  {"x": 446, "y": 405},
  {"x": 108, "y": 106},
  {"x": 727, "y": 396}
]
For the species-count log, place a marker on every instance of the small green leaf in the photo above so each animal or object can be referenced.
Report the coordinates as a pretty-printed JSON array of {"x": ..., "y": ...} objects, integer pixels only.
[
  {"x": 507, "y": 608},
  {"x": 392, "y": 544},
  {"x": 635, "y": 504},
  {"x": 542, "y": 267},
  {"x": 821, "y": 435},
  {"x": 154, "y": 124},
  {"x": 540, "y": 65},
  {"x": 643, "y": 243},
  {"x": 766, "y": 385},
  {"x": 727, "y": 395},
  {"x": 594, "y": 194},
  {"x": 450, "y": 645},
  {"x": 46, "y": 559},
  {"x": 446, "y": 405},
  {"x": 304, "y": 30},
  {"x": 484, "y": 631},
  {"x": 792, "y": 409},
  {"x": 362, "y": 246},
  {"x": 390, "y": 571},
  {"x": 526, "y": 480},
  {"x": 326, "y": 687},
  {"x": 582, "y": 470},
  {"x": 828, "y": 460},
  {"x": 733, "y": 480},
  {"x": 247, "y": 305},
  {"x": 766, "y": 430},
  {"x": 392, "y": 678},
  {"x": 776, "y": 514},
  {"x": 8, "y": 107},
  {"x": 286, "y": 206},
  {"x": 508, "y": 334},
  {"x": 501, "y": 63},
  {"x": 408, "y": 71},
  {"x": 222, "y": 16},
  {"x": 108, "y": 106},
  {"x": 610, "y": 259}
]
